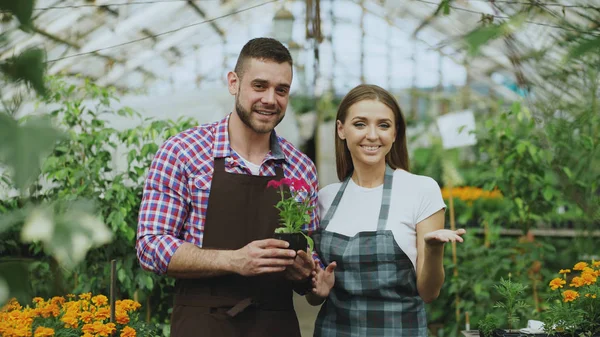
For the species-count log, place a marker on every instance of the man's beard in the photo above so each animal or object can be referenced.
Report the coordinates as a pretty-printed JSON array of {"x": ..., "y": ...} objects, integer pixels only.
[{"x": 246, "y": 117}]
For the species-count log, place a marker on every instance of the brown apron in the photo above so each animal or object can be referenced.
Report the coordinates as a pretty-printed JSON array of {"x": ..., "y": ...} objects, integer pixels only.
[{"x": 240, "y": 210}]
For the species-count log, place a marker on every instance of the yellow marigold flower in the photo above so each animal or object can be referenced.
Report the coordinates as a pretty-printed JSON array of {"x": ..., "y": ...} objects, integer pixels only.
[
  {"x": 104, "y": 329},
  {"x": 564, "y": 271},
  {"x": 87, "y": 335},
  {"x": 71, "y": 296},
  {"x": 596, "y": 264},
  {"x": 590, "y": 295},
  {"x": 577, "y": 282},
  {"x": 588, "y": 278},
  {"x": 128, "y": 332},
  {"x": 570, "y": 295},
  {"x": 70, "y": 320},
  {"x": 85, "y": 317},
  {"x": 43, "y": 332},
  {"x": 557, "y": 283},
  {"x": 86, "y": 296},
  {"x": 37, "y": 300},
  {"x": 128, "y": 305},
  {"x": 580, "y": 265},
  {"x": 57, "y": 300},
  {"x": 121, "y": 316},
  {"x": 102, "y": 314},
  {"x": 100, "y": 300}
]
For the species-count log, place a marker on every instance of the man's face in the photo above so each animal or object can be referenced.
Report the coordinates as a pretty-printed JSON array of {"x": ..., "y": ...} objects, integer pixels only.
[{"x": 262, "y": 94}]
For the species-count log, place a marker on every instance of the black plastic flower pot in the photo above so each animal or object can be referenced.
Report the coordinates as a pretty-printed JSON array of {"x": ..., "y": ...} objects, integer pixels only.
[{"x": 297, "y": 241}]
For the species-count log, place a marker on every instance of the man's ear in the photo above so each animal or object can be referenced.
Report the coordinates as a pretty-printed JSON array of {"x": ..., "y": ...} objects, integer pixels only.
[{"x": 233, "y": 83}]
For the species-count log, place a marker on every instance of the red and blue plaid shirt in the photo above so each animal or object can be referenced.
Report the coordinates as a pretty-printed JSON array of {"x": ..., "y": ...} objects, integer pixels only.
[{"x": 184, "y": 166}]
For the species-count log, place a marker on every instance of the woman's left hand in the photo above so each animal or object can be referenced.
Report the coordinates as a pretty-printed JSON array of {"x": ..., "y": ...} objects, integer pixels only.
[{"x": 442, "y": 236}]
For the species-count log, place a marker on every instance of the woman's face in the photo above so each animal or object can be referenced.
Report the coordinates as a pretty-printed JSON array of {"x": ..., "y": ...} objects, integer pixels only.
[{"x": 369, "y": 131}]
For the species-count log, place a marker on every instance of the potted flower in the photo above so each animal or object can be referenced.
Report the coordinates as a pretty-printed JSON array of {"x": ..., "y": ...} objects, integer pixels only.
[
  {"x": 84, "y": 315},
  {"x": 575, "y": 307},
  {"x": 294, "y": 212}
]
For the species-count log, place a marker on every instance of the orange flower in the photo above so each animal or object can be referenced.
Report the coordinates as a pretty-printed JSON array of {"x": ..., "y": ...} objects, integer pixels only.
[
  {"x": 100, "y": 300},
  {"x": 580, "y": 265},
  {"x": 128, "y": 332},
  {"x": 557, "y": 283},
  {"x": 589, "y": 278},
  {"x": 564, "y": 271},
  {"x": 102, "y": 314},
  {"x": 596, "y": 263},
  {"x": 70, "y": 321},
  {"x": 85, "y": 317},
  {"x": 43, "y": 332},
  {"x": 86, "y": 296},
  {"x": 121, "y": 316},
  {"x": 577, "y": 282},
  {"x": 570, "y": 295}
]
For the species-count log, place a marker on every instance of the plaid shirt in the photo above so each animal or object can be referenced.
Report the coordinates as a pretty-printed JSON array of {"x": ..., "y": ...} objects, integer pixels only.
[{"x": 175, "y": 198}]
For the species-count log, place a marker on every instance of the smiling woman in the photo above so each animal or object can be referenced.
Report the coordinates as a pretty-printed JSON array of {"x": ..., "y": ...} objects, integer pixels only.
[{"x": 381, "y": 228}]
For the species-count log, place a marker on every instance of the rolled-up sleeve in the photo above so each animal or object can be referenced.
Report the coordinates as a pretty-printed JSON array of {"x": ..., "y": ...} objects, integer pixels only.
[{"x": 163, "y": 210}]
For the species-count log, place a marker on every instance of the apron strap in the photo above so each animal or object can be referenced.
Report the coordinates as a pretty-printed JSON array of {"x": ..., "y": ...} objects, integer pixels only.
[
  {"x": 385, "y": 200},
  {"x": 386, "y": 197}
]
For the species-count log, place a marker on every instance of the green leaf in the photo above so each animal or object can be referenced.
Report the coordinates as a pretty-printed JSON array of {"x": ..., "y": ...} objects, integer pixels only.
[
  {"x": 22, "y": 9},
  {"x": 480, "y": 36},
  {"x": 583, "y": 47},
  {"x": 547, "y": 193},
  {"x": 521, "y": 147},
  {"x": 28, "y": 67},
  {"x": 15, "y": 274},
  {"x": 25, "y": 146},
  {"x": 446, "y": 7},
  {"x": 568, "y": 172}
]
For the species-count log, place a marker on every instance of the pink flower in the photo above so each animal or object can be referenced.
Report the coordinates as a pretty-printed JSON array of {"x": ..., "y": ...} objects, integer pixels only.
[
  {"x": 299, "y": 184},
  {"x": 286, "y": 181},
  {"x": 273, "y": 183}
]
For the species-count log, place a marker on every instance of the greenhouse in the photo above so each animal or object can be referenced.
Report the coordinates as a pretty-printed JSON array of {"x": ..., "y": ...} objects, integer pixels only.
[{"x": 466, "y": 132}]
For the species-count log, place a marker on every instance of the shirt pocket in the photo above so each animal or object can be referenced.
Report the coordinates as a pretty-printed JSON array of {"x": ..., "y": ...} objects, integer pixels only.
[{"x": 199, "y": 187}]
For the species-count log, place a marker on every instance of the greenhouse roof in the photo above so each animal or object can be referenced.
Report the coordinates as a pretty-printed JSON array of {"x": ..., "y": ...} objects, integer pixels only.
[{"x": 161, "y": 45}]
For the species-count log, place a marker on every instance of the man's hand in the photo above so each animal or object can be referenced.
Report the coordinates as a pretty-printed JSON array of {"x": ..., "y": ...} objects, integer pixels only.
[
  {"x": 262, "y": 257},
  {"x": 302, "y": 267}
]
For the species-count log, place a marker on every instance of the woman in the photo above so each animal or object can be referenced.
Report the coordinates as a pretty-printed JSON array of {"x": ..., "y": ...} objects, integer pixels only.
[{"x": 382, "y": 227}]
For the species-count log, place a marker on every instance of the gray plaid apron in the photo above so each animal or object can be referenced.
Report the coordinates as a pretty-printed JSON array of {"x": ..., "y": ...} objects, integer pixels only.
[{"x": 375, "y": 292}]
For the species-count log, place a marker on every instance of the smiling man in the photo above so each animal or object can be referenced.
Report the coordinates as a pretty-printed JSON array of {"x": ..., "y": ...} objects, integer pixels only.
[{"x": 207, "y": 218}]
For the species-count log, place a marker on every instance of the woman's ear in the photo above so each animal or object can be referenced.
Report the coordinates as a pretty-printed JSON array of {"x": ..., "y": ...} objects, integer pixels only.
[{"x": 340, "y": 129}]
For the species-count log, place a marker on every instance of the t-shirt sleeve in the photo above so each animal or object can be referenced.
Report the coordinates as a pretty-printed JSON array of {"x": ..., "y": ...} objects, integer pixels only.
[
  {"x": 431, "y": 200},
  {"x": 326, "y": 196}
]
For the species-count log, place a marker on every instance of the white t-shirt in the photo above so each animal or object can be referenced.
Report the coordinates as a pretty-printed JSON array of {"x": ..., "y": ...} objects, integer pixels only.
[
  {"x": 414, "y": 198},
  {"x": 255, "y": 169}
]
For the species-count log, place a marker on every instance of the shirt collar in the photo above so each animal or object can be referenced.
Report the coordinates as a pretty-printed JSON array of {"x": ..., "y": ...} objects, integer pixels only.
[{"x": 222, "y": 147}]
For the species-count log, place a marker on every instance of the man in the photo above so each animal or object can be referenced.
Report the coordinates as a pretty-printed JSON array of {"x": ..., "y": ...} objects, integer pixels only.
[{"x": 206, "y": 216}]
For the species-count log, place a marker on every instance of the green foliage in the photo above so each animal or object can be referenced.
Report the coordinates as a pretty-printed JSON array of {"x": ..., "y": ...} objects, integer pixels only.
[
  {"x": 488, "y": 324},
  {"x": 30, "y": 140},
  {"x": 489, "y": 32},
  {"x": 22, "y": 9},
  {"x": 511, "y": 302},
  {"x": 100, "y": 163},
  {"x": 28, "y": 67}
]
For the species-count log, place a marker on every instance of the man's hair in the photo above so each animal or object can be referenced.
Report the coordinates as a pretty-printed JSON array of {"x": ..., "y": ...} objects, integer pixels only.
[{"x": 264, "y": 49}]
